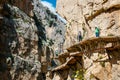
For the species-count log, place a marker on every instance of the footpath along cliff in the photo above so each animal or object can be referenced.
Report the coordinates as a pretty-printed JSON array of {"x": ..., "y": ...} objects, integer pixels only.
[
  {"x": 35, "y": 44},
  {"x": 92, "y": 58}
]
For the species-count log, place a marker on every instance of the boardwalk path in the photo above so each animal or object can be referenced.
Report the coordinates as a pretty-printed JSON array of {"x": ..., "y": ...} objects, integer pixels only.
[{"x": 86, "y": 47}]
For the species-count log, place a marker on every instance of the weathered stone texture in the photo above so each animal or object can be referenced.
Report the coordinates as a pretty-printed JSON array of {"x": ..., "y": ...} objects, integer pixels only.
[
  {"x": 26, "y": 44},
  {"x": 85, "y": 15}
]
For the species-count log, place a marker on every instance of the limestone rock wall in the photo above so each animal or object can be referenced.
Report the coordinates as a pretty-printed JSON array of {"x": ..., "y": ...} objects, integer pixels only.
[
  {"x": 26, "y": 45},
  {"x": 19, "y": 45},
  {"x": 55, "y": 28},
  {"x": 102, "y": 66},
  {"x": 85, "y": 15},
  {"x": 27, "y": 8}
]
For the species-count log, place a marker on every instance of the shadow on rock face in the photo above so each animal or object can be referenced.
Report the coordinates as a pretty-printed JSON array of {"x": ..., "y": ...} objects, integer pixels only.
[{"x": 8, "y": 44}]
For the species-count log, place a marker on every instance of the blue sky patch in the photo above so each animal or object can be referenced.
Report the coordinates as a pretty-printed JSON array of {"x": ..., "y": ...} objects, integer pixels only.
[{"x": 53, "y": 2}]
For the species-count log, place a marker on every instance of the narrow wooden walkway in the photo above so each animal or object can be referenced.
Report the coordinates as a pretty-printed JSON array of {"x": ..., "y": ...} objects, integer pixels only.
[
  {"x": 94, "y": 43},
  {"x": 88, "y": 46},
  {"x": 65, "y": 66}
]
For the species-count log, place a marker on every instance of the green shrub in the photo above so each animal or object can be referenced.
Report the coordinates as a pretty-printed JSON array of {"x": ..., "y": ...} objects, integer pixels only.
[
  {"x": 102, "y": 64},
  {"x": 26, "y": 20},
  {"x": 48, "y": 11},
  {"x": 91, "y": 76},
  {"x": 50, "y": 23},
  {"x": 54, "y": 24},
  {"x": 80, "y": 74},
  {"x": 100, "y": 57},
  {"x": 51, "y": 42},
  {"x": 59, "y": 31}
]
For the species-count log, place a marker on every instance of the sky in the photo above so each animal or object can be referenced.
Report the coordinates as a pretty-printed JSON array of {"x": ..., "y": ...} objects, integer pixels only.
[{"x": 51, "y": 4}]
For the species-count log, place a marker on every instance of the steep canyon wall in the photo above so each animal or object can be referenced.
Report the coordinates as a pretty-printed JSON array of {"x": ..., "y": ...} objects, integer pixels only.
[
  {"x": 85, "y": 15},
  {"x": 29, "y": 32}
]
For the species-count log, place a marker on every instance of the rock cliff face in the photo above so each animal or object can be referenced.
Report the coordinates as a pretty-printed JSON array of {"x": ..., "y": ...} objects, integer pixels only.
[
  {"x": 28, "y": 35},
  {"x": 85, "y": 15}
]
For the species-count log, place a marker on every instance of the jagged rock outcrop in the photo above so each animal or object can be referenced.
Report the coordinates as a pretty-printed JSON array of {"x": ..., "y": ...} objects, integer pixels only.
[
  {"x": 55, "y": 34},
  {"x": 26, "y": 44},
  {"x": 89, "y": 60},
  {"x": 55, "y": 28},
  {"x": 84, "y": 16}
]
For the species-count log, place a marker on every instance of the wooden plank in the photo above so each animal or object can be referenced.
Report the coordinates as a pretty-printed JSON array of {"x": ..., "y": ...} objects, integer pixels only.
[
  {"x": 108, "y": 45},
  {"x": 61, "y": 67},
  {"x": 65, "y": 65},
  {"x": 71, "y": 61},
  {"x": 76, "y": 54},
  {"x": 99, "y": 39}
]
